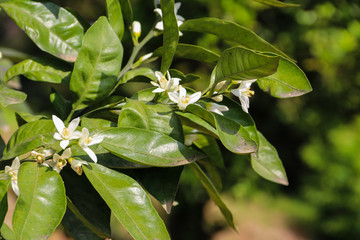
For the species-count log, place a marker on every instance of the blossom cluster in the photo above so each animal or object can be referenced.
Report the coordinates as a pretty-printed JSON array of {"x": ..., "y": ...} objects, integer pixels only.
[{"x": 57, "y": 162}]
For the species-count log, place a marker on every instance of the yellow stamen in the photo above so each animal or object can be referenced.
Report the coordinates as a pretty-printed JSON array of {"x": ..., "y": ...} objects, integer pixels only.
[
  {"x": 249, "y": 92},
  {"x": 61, "y": 163},
  {"x": 88, "y": 140},
  {"x": 65, "y": 132}
]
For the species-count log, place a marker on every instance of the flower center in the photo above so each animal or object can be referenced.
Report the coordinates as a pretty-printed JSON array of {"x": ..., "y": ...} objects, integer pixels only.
[
  {"x": 39, "y": 158},
  {"x": 13, "y": 175},
  {"x": 61, "y": 163},
  {"x": 66, "y": 133},
  {"x": 163, "y": 82},
  {"x": 248, "y": 92},
  {"x": 88, "y": 140},
  {"x": 185, "y": 100}
]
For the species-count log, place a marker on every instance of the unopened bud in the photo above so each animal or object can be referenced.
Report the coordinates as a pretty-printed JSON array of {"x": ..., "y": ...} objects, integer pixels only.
[
  {"x": 146, "y": 57},
  {"x": 136, "y": 29},
  {"x": 0, "y": 55}
]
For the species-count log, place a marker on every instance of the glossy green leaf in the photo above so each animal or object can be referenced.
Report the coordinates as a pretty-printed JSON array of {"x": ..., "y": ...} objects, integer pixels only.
[
  {"x": 266, "y": 162},
  {"x": 115, "y": 17},
  {"x": 96, "y": 123},
  {"x": 76, "y": 228},
  {"x": 147, "y": 147},
  {"x": 198, "y": 123},
  {"x": 153, "y": 117},
  {"x": 192, "y": 52},
  {"x": 5, "y": 64},
  {"x": 41, "y": 203},
  {"x": 10, "y": 96},
  {"x": 128, "y": 201},
  {"x": 232, "y": 32},
  {"x": 174, "y": 73},
  {"x": 7, "y": 233},
  {"x": 126, "y": 11},
  {"x": 41, "y": 70},
  {"x": 52, "y": 28},
  {"x": 233, "y": 136},
  {"x": 138, "y": 74},
  {"x": 170, "y": 35},
  {"x": 98, "y": 65},
  {"x": 161, "y": 183},
  {"x": 23, "y": 118},
  {"x": 276, "y": 3},
  {"x": 28, "y": 137},
  {"x": 236, "y": 114},
  {"x": 60, "y": 104},
  {"x": 94, "y": 212},
  {"x": 213, "y": 193},
  {"x": 3, "y": 199},
  {"x": 208, "y": 145},
  {"x": 288, "y": 81},
  {"x": 238, "y": 63}
]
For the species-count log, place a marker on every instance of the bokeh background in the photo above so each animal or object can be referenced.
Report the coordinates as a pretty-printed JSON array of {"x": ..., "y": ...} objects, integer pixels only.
[{"x": 317, "y": 135}]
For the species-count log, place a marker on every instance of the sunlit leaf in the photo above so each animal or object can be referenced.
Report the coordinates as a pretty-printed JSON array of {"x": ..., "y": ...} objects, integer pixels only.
[
  {"x": 42, "y": 70},
  {"x": 52, "y": 28},
  {"x": 10, "y": 96},
  {"x": 288, "y": 81},
  {"x": 115, "y": 17},
  {"x": 232, "y": 32},
  {"x": 213, "y": 193},
  {"x": 23, "y": 118},
  {"x": 266, "y": 162},
  {"x": 126, "y": 11},
  {"x": 3, "y": 199},
  {"x": 138, "y": 74},
  {"x": 28, "y": 137},
  {"x": 147, "y": 147},
  {"x": 170, "y": 35},
  {"x": 128, "y": 201},
  {"x": 7, "y": 233},
  {"x": 276, "y": 3},
  {"x": 238, "y": 63},
  {"x": 41, "y": 203},
  {"x": 98, "y": 65}
]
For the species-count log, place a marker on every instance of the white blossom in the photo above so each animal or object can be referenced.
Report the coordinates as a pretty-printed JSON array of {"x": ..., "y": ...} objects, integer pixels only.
[
  {"x": 136, "y": 29},
  {"x": 163, "y": 84},
  {"x": 179, "y": 19},
  {"x": 58, "y": 161},
  {"x": 13, "y": 172},
  {"x": 76, "y": 165},
  {"x": 65, "y": 134},
  {"x": 182, "y": 99},
  {"x": 40, "y": 156},
  {"x": 85, "y": 141},
  {"x": 244, "y": 92},
  {"x": 216, "y": 108}
]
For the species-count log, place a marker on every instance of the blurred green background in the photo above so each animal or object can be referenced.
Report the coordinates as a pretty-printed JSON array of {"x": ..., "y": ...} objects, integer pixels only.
[{"x": 317, "y": 135}]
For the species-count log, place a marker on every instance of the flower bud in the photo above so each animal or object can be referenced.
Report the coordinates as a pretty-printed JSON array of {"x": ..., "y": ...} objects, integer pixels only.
[{"x": 136, "y": 29}]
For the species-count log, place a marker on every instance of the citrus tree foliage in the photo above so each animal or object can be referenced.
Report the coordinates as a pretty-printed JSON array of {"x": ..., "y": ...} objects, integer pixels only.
[{"x": 73, "y": 168}]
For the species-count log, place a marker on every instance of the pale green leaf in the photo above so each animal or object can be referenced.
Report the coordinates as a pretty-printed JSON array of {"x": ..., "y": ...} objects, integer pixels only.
[
  {"x": 10, "y": 96},
  {"x": 115, "y": 17},
  {"x": 276, "y": 3}
]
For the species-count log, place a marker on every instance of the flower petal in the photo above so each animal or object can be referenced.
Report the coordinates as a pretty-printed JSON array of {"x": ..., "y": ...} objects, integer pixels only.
[
  {"x": 57, "y": 136},
  {"x": 66, "y": 154},
  {"x": 15, "y": 187},
  {"x": 73, "y": 124},
  {"x": 195, "y": 97},
  {"x": 182, "y": 92},
  {"x": 244, "y": 103},
  {"x": 159, "y": 26},
  {"x": 158, "y": 11},
  {"x": 64, "y": 143},
  {"x": 15, "y": 164},
  {"x": 237, "y": 92},
  {"x": 174, "y": 96},
  {"x": 58, "y": 123},
  {"x": 96, "y": 140},
  {"x": 91, "y": 154},
  {"x": 158, "y": 90}
]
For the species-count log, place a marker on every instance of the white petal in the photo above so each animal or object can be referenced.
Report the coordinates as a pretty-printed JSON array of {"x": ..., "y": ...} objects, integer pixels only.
[
  {"x": 159, "y": 26},
  {"x": 64, "y": 143},
  {"x": 174, "y": 96},
  {"x": 159, "y": 75},
  {"x": 237, "y": 92},
  {"x": 182, "y": 92},
  {"x": 158, "y": 90},
  {"x": 195, "y": 97},
  {"x": 158, "y": 11},
  {"x": 15, "y": 187},
  {"x": 96, "y": 140},
  {"x": 73, "y": 124},
  {"x": 57, "y": 136},
  {"x": 176, "y": 7},
  {"x": 154, "y": 84},
  {"x": 75, "y": 135},
  {"x": 244, "y": 103},
  {"x": 15, "y": 164},
  {"x": 67, "y": 153},
  {"x": 58, "y": 123},
  {"x": 91, "y": 154}
]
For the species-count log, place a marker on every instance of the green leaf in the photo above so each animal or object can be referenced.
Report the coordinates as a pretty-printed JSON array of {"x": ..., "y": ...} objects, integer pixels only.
[
  {"x": 23, "y": 118},
  {"x": 10, "y": 96},
  {"x": 236, "y": 114},
  {"x": 213, "y": 193},
  {"x": 13, "y": 55},
  {"x": 238, "y": 63},
  {"x": 7, "y": 233},
  {"x": 93, "y": 212},
  {"x": 2, "y": 146},
  {"x": 170, "y": 35},
  {"x": 42, "y": 70},
  {"x": 208, "y": 145},
  {"x": 192, "y": 52},
  {"x": 5, "y": 64},
  {"x": 98, "y": 65},
  {"x": 60, "y": 104},
  {"x": 147, "y": 147},
  {"x": 162, "y": 183},
  {"x": 288, "y": 81},
  {"x": 41, "y": 203},
  {"x": 126, "y": 11},
  {"x": 198, "y": 123},
  {"x": 266, "y": 162},
  {"x": 154, "y": 117},
  {"x": 184, "y": 78},
  {"x": 128, "y": 201},
  {"x": 113, "y": 9},
  {"x": 138, "y": 75},
  {"x": 3, "y": 199},
  {"x": 52, "y": 28},
  {"x": 233, "y": 136},
  {"x": 276, "y": 3},
  {"x": 28, "y": 137},
  {"x": 232, "y": 32}
]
